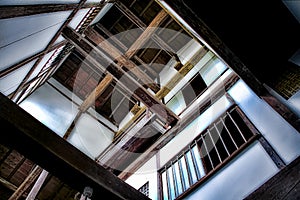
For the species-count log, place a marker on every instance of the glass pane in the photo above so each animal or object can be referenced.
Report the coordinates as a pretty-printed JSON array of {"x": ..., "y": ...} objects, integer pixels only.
[
  {"x": 171, "y": 183},
  {"x": 212, "y": 71},
  {"x": 198, "y": 160},
  {"x": 18, "y": 34},
  {"x": 90, "y": 136},
  {"x": 51, "y": 108},
  {"x": 191, "y": 167},
  {"x": 184, "y": 173},
  {"x": 10, "y": 82},
  {"x": 164, "y": 185},
  {"x": 178, "y": 178},
  {"x": 177, "y": 103}
]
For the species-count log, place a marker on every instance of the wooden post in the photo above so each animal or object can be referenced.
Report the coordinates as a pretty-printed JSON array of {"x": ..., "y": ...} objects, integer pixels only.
[
  {"x": 38, "y": 184},
  {"x": 26, "y": 183}
]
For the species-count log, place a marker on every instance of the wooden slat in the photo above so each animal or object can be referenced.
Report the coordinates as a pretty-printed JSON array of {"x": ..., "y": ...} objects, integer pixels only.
[
  {"x": 58, "y": 157},
  {"x": 25, "y": 10},
  {"x": 132, "y": 86},
  {"x": 37, "y": 185},
  {"x": 119, "y": 57}
]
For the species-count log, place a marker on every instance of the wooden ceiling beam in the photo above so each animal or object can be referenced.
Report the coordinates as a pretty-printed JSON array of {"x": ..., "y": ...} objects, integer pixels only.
[
  {"x": 95, "y": 56},
  {"x": 122, "y": 60},
  {"x": 90, "y": 100},
  {"x": 132, "y": 17},
  {"x": 25, "y": 10},
  {"x": 122, "y": 46},
  {"x": 63, "y": 159},
  {"x": 147, "y": 33}
]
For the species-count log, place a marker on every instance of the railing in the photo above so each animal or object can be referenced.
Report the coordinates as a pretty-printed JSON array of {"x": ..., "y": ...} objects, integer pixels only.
[{"x": 210, "y": 151}]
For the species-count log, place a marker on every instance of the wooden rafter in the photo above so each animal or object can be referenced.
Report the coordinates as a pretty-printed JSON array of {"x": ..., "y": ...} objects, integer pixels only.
[
  {"x": 105, "y": 82},
  {"x": 95, "y": 56},
  {"x": 147, "y": 33},
  {"x": 121, "y": 45},
  {"x": 120, "y": 58},
  {"x": 25, "y": 10},
  {"x": 26, "y": 183},
  {"x": 131, "y": 16}
]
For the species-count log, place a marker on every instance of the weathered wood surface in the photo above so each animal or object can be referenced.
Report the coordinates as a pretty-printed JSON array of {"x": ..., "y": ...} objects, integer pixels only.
[{"x": 284, "y": 185}]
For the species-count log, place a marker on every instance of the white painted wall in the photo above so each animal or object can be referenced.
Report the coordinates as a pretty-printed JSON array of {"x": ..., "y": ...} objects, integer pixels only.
[{"x": 280, "y": 134}]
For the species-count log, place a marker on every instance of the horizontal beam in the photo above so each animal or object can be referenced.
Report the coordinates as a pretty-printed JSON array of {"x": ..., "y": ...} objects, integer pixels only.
[
  {"x": 122, "y": 60},
  {"x": 25, "y": 10},
  {"x": 44, "y": 147},
  {"x": 95, "y": 56}
]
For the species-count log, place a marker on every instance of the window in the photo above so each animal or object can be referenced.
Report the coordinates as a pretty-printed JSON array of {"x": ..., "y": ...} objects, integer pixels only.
[
  {"x": 145, "y": 189},
  {"x": 196, "y": 84},
  {"x": 207, "y": 153}
]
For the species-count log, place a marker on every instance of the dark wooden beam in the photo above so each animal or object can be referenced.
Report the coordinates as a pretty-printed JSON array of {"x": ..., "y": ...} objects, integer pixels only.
[
  {"x": 25, "y": 10},
  {"x": 137, "y": 21},
  {"x": 283, "y": 185},
  {"x": 96, "y": 57},
  {"x": 122, "y": 46},
  {"x": 122, "y": 60},
  {"x": 61, "y": 159}
]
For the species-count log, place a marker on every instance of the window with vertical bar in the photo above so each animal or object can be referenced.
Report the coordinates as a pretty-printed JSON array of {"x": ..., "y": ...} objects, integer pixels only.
[
  {"x": 145, "y": 189},
  {"x": 208, "y": 152}
]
